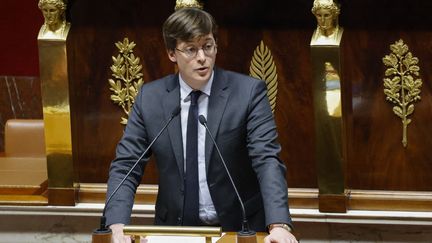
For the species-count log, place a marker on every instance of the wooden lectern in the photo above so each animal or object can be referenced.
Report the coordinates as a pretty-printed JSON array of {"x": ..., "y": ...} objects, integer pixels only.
[
  {"x": 193, "y": 231},
  {"x": 153, "y": 230}
]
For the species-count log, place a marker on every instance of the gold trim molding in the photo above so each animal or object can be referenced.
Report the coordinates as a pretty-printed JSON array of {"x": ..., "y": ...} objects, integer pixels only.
[
  {"x": 401, "y": 83},
  {"x": 127, "y": 81},
  {"x": 263, "y": 67},
  {"x": 301, "y": 198}
]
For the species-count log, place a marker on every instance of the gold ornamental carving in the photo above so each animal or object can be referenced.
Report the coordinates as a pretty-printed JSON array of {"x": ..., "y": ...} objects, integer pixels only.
[
  {"x": 188, "y": 4},
  {"x": 126, "y": 70},
  {"x": 263, "y": 67},
  {"x": 328, "y": 31},
  {"x": 401, "y": 83},
  {"x": 55, "y": 26}
]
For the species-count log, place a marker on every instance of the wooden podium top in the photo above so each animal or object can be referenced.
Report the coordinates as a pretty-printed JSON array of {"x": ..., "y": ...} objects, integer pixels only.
[
  {"x": 230, "y": 237},
  {"x": 211, "y": 234}
]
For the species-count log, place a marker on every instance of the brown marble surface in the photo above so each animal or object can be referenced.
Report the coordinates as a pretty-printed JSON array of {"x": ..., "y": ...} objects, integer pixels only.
[{"x": 20, "y": 97}]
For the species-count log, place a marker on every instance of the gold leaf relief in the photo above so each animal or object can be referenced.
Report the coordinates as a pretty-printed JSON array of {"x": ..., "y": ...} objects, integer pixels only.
[
  {"x": 401, "y": 84},
  {"x": 127, "y": 81},
  {"x": 263, "y": 67}
]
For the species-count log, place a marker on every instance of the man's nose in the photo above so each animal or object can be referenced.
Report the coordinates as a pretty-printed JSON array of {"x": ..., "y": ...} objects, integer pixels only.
[{"x": 200, "y": 55}]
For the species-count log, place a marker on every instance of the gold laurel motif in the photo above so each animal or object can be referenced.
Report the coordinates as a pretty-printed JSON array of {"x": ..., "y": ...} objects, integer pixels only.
[
  {"x": 126, "y": 70},
  {"x": 188, "y": 4},
  {"x": 401, "y": 85},
  {"x": 263, "y": 67}
]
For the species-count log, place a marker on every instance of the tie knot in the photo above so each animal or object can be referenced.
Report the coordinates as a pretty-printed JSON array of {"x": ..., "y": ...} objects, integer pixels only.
[{"x": 194, "y": 96}]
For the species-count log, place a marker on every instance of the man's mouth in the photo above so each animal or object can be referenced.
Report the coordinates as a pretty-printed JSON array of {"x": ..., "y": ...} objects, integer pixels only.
[{"x": 202, "y": 69}]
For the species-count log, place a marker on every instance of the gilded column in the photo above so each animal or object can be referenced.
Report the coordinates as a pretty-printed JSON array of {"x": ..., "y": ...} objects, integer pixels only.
[
  {"x": 55, "y": 100},
  {"x": 325, "y": 54}
]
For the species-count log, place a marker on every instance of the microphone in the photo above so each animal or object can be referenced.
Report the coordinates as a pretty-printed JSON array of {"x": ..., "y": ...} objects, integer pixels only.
[
  {"x": 103, "y": 229},
  {"x": 245, "y": 231}
]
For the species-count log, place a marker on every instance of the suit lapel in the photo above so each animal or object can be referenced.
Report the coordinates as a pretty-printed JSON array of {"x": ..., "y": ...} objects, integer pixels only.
[
  {"x": 170, "y": 102},
  {"x": 217, "y": 102}
]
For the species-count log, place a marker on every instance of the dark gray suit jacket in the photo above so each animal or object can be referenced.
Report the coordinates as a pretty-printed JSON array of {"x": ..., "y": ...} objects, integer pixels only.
[{"x": 240, "y": 118}]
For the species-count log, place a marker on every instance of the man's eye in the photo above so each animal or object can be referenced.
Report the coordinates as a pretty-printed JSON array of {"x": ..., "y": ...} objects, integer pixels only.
[
  {"x": 208, "y": 47},
  {"x": 191, "y": 49}
]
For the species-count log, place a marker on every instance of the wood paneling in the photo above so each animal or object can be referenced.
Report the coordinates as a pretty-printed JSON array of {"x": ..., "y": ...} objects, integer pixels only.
[
  {"x": 375, "y": 159},
  {"x": 96, "y": 125},
  {"x": 96, "y": 128}
]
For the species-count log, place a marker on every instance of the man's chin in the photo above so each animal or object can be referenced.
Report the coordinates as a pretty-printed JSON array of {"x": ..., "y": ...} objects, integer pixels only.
[
  {"x": 202, "y": 79},
  {"x": 203, "y": 76}
]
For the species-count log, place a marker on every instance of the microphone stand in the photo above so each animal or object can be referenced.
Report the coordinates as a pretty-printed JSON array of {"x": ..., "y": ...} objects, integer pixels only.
[
  {"x": 103, "y": 234},
  {"x": 245, "y": 235}
]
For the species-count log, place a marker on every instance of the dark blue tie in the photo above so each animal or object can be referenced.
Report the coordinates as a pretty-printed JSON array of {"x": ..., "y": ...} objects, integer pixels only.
[{"x": 191, "y": 203}]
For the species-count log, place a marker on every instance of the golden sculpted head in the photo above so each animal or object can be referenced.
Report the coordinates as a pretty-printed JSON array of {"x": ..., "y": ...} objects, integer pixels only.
[
  {"x": 326, "y": 13},
  {"x": 188, "y": 4},
  {"x": 55, "y": 25},
  {"x": 328, "y": 31}
]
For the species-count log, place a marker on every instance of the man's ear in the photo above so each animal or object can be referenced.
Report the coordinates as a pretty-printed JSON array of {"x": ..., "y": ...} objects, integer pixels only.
[{"x": 172, "y": 56}]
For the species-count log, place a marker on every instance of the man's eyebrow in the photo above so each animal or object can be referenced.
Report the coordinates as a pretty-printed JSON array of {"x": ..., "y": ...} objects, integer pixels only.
[{"x": 197, "y": 43}]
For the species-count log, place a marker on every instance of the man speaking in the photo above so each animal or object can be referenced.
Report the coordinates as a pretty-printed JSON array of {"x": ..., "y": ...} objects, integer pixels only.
[{"x": 194, "y": 187}]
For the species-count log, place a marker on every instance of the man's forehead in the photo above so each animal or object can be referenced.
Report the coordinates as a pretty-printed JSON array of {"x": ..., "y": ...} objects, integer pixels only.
[{"x": 198, "y": 39}]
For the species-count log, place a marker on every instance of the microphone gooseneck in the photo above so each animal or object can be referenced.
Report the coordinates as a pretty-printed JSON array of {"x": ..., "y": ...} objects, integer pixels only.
[
  {"x": 103, "y": 227},
  {"x": 245, "y": 225}
]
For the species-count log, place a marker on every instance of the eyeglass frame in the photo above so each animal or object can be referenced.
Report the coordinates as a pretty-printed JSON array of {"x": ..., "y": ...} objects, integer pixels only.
[{"x": 205, "y": 48}]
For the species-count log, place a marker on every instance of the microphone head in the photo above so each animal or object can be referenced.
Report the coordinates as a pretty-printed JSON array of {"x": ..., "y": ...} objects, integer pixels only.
[
  {"x": 176, "y": 111},
  {"x": 202, "y": 120}
]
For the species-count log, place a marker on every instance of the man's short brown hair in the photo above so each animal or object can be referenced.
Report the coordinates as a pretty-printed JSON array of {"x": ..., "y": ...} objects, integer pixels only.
[{"x": 186, "y": 24}]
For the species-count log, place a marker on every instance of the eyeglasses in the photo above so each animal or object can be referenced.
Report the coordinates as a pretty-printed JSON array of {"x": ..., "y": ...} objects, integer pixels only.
[{"x": 192, "y": 51}]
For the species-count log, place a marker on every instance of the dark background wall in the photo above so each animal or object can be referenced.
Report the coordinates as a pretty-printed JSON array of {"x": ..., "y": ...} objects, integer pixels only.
[
  {"x": 19, "y": 24},
  {"x": 375, "y": 158}
]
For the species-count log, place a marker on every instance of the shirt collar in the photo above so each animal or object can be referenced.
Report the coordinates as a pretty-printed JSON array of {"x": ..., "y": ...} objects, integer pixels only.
[{"x": 185, "y": 89}]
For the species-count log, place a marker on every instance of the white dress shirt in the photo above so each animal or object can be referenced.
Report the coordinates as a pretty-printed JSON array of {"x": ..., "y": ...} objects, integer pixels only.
[{"x": 207, "y": 212}]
